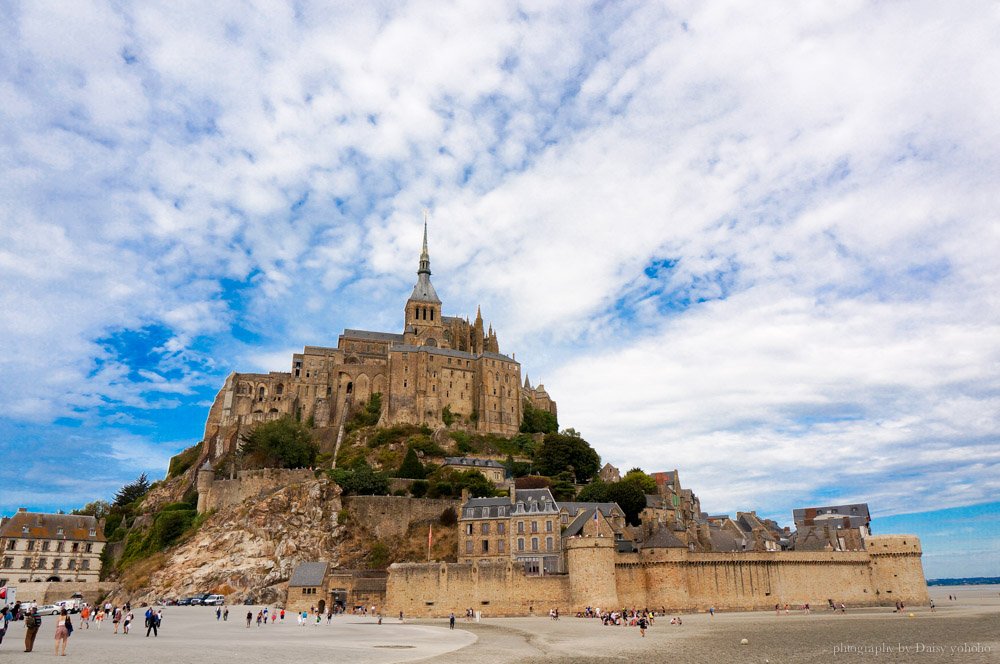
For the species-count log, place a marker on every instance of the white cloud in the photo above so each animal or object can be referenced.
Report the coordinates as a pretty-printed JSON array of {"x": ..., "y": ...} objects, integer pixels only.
[{"x": 750, "y": 243}]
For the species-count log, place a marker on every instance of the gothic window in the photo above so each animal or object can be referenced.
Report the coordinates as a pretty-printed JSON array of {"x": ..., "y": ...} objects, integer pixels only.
[
  {"x": 432, "y": 313},
  {"x": 261, "y": 392},
  {"x": 279, "y": 389}
]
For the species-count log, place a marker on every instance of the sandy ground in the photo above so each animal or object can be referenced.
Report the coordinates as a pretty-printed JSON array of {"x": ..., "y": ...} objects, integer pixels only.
[{"x": 963, "y": 630}]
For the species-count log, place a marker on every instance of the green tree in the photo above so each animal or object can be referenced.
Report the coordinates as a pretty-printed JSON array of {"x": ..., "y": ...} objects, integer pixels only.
[
  {"x": 132, "y": 491},
  {"x": 628, "y": 495},
  {"x": 475, "y": 482},
  {"x": 367, "y": 416},
  {"x": 411, "y": 467},
  {"x": 281, "y": 443},
  {"x": 645, "y": 482},
  {"x": 361, "y": 480},
  {"x": 535, "y": 420},
  {"x": 560, "y": 452},
  {"x": 97, "y": 509}
]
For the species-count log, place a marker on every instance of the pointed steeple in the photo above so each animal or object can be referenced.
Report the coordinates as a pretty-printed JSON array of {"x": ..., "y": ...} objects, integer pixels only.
[
  {"x": 425, "y": 257},
  {"x": 527, "y": 382},
  {"x": 424, "y": 291}
]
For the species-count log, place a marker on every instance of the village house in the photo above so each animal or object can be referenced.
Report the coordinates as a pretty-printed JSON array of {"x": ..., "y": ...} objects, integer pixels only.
[{"x": 50, "y": 547}]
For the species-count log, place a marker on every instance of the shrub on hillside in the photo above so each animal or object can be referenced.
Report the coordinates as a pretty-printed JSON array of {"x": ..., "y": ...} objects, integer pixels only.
[{"x": 281, "y": 443}]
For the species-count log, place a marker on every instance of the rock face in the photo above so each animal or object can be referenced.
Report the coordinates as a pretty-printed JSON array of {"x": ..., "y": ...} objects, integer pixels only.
[{"x": 251, "y": 549}]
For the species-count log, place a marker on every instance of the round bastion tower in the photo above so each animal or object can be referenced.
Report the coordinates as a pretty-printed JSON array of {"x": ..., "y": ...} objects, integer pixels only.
[
  {"x": 590, "y": 562},
  {"x": 206, "y": 477}
]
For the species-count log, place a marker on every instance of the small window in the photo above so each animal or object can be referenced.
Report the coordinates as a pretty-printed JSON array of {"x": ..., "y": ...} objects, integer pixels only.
[
  {"x": 520, "y": 544},
  {"x": 486, "y": 546},
  {"x": 500, "y": 546},
  {"x": 468, "y": 546},
  {"x": 534, "y": 544}
]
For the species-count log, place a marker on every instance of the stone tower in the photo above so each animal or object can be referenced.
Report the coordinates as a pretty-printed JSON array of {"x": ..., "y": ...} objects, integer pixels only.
[
  {"x": 423, "y": 323},
  {"x": 206, "y": 477}
]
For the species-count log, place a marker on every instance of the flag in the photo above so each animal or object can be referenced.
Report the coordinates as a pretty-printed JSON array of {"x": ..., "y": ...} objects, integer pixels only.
[
  {"x": 430, "y": 535},
  {"x": 3, "y": 592}
]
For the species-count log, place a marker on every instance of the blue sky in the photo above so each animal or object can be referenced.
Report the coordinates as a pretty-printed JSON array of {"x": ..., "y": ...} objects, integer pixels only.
[{"x": 755, "y": 245}]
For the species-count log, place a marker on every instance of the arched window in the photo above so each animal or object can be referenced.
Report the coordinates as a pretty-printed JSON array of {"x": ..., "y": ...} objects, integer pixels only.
[
  {"x": 279, "y": 389},
  {"x": 350, "y": 387},
  {"x": 432, "y": 313},
  {"x": 260, "y": 393}
]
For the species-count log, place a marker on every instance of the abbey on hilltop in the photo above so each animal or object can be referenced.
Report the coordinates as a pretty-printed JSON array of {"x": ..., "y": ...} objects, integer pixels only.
[{"x": 440, "y": 367}]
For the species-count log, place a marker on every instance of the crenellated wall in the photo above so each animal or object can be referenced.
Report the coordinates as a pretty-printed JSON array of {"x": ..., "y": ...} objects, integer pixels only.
[{"x": 667, "y": 579}]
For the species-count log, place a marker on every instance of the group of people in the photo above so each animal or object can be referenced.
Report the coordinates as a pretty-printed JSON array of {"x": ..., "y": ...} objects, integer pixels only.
[{"x": 120, "y": 616}]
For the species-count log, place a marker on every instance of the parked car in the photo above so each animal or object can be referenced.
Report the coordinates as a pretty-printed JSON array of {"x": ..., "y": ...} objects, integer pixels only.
[
  {"x": 49, "y": 610},
  {"x": 194, "y": 601},
  {"x": 184, "y": 601},
  {"x": 73, "y": 605},
  {"x": 213, "y": 600}
]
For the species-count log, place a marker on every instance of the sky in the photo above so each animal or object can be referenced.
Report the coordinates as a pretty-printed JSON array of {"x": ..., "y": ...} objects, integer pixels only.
[{"x": 753, "y": 242}]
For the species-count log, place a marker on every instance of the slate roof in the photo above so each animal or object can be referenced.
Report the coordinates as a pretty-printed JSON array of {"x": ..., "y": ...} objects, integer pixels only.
[
  {"x": 423, "y": 290},
  {"x": 534, "y": 500},
  {"x": 576, "y": 526},
  {"x": 308, "y": 575},
  {"x": 472, "y": 462},
  {"x": 723, "y": 540},
  {"x": 373, "y": 336},
  {"x": 606, "y": 508},
  {"x": 487, "y": 502},
  {"x": 663, "y": 539},
  {"x": 47, "y": 526}
]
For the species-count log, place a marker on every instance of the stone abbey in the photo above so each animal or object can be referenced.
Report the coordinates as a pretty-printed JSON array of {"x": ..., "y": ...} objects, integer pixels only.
[{"x": 439, "y": 367}]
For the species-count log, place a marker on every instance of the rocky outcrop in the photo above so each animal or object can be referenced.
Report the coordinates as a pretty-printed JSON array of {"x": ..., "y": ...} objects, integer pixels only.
[{"x": 250, "y": 550}]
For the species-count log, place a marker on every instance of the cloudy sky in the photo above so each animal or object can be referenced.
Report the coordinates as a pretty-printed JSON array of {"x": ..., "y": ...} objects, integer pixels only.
[{"x": 756, "y": 242}]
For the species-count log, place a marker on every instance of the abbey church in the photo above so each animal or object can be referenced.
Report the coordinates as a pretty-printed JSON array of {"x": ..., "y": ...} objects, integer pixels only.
[{"x": 439, "y": 368}]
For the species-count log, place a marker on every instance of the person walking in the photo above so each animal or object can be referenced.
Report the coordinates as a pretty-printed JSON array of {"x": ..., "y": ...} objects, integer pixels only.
[
  {"x": 249, "y": 618},
  {"x": 282, "y": 615},
  {"x": 116, "y": 617},
  {"x": 32, "y": 622},
  {"x": 218, "y": 614},
  {"x": 643, "y": 624},
  {"x": 152, "y": 623},
  {"x": 63, "y": 629},
  {"x": 85, "y": 617},
  {"x": 451, "y": 621},
  {"x": 225, "y": 614},
  {"x": 129, "y": 617}
]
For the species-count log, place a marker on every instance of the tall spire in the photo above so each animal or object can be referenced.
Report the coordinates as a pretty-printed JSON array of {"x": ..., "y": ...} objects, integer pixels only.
[{"x": 425, "y": 258}]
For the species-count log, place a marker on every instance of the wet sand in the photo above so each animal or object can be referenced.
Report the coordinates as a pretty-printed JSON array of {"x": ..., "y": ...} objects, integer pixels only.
[{"x": 966, "y": 630}]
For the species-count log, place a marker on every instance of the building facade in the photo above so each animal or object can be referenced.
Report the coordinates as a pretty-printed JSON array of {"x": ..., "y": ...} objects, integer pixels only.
[
  {"x": 524, "y": 527},
  {"x": 439, "y": 369},
  {"x": 50, "y": 547}
]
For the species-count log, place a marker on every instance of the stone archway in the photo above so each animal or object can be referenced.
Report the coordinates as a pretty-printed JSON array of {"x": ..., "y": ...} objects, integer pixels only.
[{"x": 322, "y": 606}]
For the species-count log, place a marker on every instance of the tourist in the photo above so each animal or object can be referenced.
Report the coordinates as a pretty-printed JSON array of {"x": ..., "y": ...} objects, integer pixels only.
[
  {"x": 711, "y": 611},
  {"x": 451, "y": 621},
  {"x": 642, "y": 626},
  {"x": 99, "y": 619},
  {"x": 116, "y": 617},
  {"x": 282, "y": 615},
  {"x": 225, "y": 614},
  {"x": 85, "y": 617},
  {"x": 329, "y": 615},
  {"x": 32, "y": 622},
  {"x": 249, "y": 618},
  {"x": 218, "y": 614},
  {"x": 152, "y": 622},
  {"x": 265, "y": 615},
  {"x": 259, "y": 614},
  {"x": 305, "y": 618},
  {"x": 64, "y": 627},
  {"x": 129, "y": 617}
]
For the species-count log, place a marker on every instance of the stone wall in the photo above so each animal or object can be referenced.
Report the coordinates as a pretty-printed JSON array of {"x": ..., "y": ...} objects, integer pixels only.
[
  {"x": 496, "y": 588},
  {"x": 219, "y": 494},
  {"x": 389, "y": 517},
  {"x": 668, "y": 579},
  {"x": 44, "y": 592}
]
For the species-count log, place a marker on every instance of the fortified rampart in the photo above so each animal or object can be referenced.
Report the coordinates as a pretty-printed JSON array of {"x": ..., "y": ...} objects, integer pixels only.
[
  {"x": 389, "y": 517},
  {"x": 215, "y": 494},
  {"x": 670, "y": 579}
]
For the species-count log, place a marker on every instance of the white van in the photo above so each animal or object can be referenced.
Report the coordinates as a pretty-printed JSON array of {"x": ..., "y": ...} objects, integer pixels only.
[{"x": 213, "y": 600}]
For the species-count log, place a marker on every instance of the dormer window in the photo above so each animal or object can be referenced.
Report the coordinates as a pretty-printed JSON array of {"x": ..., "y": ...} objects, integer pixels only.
[
  {"x": 93, "y": 532},
  {"x": 59, "y": 531}
]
